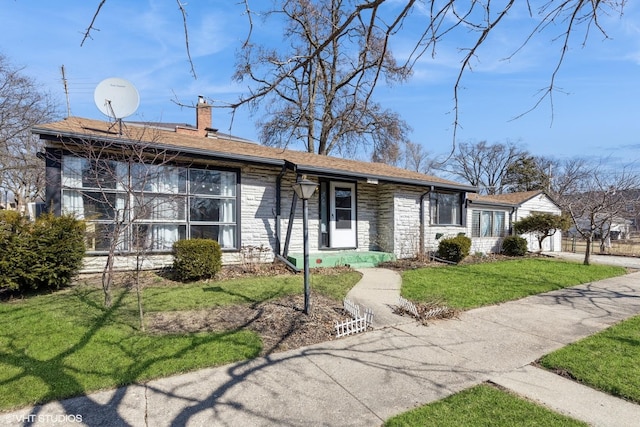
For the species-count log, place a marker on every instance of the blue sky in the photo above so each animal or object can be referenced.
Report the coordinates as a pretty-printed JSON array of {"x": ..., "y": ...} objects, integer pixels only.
[{"x": 596, "y": 115}]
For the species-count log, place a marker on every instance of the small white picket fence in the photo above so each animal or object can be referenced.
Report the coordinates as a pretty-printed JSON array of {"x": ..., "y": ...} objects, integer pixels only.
[
  {"x": 408, "y": 306},
  {"x": 355, "y": 325},
  {"x": 351, "y": 307},
  {"x": 435, "y": 312},
  {"x": 411, "y": 308}
]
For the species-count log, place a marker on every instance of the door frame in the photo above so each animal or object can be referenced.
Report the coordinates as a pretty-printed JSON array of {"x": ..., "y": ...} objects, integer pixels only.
[{"x": 337, "y": 238}]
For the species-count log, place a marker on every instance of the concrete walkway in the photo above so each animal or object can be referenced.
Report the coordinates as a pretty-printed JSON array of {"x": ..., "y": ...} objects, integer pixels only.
[
  {"x": 379, "y": 290},
  {"x": 363, "y": 380}
]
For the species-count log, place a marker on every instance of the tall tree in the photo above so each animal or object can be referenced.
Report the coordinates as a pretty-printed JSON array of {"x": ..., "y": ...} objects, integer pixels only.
[
  {"x": 528, "y": 173},
  {"x": 22, "y": 105},
  {"x": 324, "y": 100},
  {"x": 483, "y": 165},
  {"x": 380, "y": 20}
]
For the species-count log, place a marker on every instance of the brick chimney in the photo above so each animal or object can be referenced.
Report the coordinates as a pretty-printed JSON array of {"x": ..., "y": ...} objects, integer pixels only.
[
  {"x": 203, "y": 116},
  {"x": 203, "y": 121}
]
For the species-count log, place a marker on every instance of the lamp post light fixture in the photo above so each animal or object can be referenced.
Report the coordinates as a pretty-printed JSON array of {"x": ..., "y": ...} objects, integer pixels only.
[{"x": 304, "y": 190}]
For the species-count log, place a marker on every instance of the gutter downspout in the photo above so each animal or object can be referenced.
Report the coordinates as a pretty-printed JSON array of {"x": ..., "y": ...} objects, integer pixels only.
[
  {"x": 422, "y": 231},
  {"x": 279, "y": 206},
  {"x": 282, "y": 256}
]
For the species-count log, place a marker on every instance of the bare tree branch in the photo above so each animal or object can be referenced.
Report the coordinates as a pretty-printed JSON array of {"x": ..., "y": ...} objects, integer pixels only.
[
  {"x": 87, "y": 32},
  {"x": 378, "y": 21},
  {"x": 183, "y": 12}
]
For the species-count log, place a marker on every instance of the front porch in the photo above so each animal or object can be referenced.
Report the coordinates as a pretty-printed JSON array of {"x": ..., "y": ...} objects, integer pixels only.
[{"x": 354, "y": 259}]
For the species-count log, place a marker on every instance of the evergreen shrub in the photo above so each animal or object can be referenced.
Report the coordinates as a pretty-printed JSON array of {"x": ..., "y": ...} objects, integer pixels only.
[
  {"x": 40, "y": 255},
  {"x": 454, "y": 249},
  {"x": 13, "y": 242},
  {"x": 58, "y": 243},
  {"x": 196, "y": 259},
  {"x": 514, "y": 246}
]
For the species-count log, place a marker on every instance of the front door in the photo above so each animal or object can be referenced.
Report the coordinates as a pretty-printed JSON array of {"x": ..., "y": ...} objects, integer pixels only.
[{"x": 342, "y": 215}]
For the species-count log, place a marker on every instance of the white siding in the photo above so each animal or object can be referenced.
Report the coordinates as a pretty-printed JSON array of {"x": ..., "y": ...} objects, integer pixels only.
[
  {"x": 540, "y": 203},
  {"x": 487, "y": 245}
]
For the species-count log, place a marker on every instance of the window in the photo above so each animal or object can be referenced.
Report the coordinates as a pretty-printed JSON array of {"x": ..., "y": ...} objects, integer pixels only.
[
  {"x": 446, "y": 208},
  {"x": 154, "y": 204},
  {"x": 212, "y": 206},
  {"x": 487, "y": 223}
]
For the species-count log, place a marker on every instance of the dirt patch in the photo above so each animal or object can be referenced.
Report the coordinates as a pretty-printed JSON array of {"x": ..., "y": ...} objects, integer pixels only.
[{"x": 281, "y": 323}]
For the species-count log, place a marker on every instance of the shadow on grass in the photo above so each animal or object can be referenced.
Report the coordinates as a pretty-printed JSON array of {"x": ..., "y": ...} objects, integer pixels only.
[{"x": 62, "y": 368}]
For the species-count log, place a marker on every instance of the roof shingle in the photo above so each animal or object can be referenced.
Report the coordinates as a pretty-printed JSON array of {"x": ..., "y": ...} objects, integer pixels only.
[{"x": 230, "y": 147}]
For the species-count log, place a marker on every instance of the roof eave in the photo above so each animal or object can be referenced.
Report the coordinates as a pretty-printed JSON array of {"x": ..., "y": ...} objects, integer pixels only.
[
  {"x": 492, "y": 203},
  {"x": 399, "y": 180},
  {"x": 56, "y": 136}
]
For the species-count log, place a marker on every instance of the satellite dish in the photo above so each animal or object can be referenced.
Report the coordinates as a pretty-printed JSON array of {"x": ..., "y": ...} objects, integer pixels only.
[{"x": 116, "y": 98}]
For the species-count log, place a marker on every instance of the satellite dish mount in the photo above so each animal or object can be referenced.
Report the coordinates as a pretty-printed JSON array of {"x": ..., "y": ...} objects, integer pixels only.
[{"x": 116, "y": 98}]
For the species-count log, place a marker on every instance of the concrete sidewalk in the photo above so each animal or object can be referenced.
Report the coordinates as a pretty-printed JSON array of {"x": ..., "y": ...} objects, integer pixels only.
[{"x": 365, "y": 379}]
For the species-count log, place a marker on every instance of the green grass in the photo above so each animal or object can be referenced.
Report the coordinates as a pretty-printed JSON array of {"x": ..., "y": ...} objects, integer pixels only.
[
  {"x": 481, "y": 405},
  {"x": 245, "y": 290},
  {"x": 475, "y": 285},
  {"x": 66, "y": 344},
  {"x": 607, "y": 360}
]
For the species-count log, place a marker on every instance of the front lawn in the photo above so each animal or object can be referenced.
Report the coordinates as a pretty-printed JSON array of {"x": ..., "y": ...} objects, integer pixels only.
[
  {"x": 474, "y": 285},
  {"x": 482, "y": 405},
  {"x": 66, "y": 344},
  {"x": 607, "y": 360}
]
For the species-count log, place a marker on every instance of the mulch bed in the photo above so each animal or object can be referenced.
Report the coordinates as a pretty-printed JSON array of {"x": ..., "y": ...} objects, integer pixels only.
[{"x": 281, "y": 323}]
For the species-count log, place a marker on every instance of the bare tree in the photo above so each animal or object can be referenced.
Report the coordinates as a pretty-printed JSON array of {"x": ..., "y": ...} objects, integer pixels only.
[
  {"x": 125, "y": 191},
  {"x": 384, "y": 19},
  {"x": 416, "y": 158},
  {"x": 409, "y": 155},
  {"x": 483, "y": 165},
  {"x": 567, "y": 176},
  {"x": 22, "y": 105},
  {"x": 595, "y": 200},
  {"x": 324, "y": 99}
]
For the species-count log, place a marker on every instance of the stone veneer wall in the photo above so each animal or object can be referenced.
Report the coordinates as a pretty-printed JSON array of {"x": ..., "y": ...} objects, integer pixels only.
[
  {"x": 385, "y": 216},
  {"x": 406, "y": 205},
  {"x": 257, "y": 211},
  {"x": 367, "y": 211},
  {"x": 399, "y": 221}
]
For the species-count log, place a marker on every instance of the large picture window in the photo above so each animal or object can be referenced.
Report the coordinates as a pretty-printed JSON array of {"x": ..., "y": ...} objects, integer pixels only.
[
  {"x": 487, "y": 223},
  {"x": 149, "y": 206},
  {"x": 446, "y": 208}
]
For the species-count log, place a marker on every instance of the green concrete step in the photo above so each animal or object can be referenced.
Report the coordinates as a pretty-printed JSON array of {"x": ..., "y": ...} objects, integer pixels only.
[{"x": 354, "y": 259}]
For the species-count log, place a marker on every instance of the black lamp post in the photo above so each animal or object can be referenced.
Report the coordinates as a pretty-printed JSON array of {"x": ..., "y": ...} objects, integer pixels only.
[{"x": 304, "y": 190}]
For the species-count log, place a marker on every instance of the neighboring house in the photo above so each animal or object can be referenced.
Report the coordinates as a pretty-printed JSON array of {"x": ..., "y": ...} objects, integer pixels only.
[
  {"x": 240, "y": 194},
  {"x": 616, "y": 228},
  {"x": 492, "y": 218}
]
